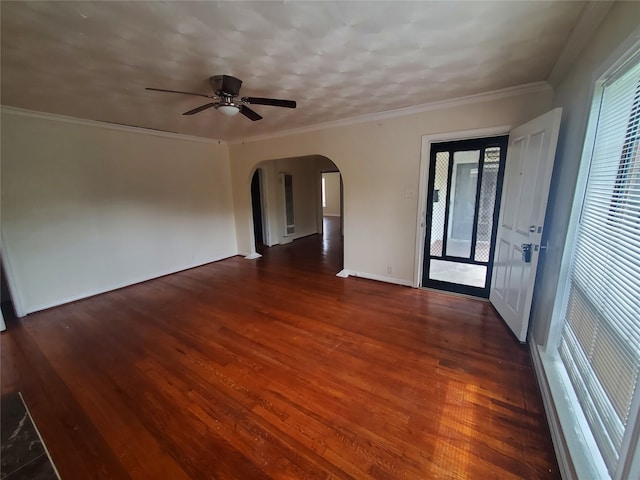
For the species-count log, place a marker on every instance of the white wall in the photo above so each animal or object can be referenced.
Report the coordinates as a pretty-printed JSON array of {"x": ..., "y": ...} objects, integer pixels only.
[
  {"x": 379, "y": 162},
  {"x": 87, "y": 207},
  {"x": 332, "y": 194},
  {"x": 574, "y": 94}
]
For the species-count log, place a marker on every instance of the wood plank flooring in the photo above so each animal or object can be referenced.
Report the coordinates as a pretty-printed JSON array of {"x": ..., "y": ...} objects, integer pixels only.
[{"x": 275, "y": 368}]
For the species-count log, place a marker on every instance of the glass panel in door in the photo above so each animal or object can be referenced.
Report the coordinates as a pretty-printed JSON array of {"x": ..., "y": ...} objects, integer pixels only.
[{"x": 462, "y": 203}]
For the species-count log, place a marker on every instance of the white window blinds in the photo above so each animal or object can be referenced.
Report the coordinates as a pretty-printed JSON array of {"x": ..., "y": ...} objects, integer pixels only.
[{"x": 600, "y": 340}]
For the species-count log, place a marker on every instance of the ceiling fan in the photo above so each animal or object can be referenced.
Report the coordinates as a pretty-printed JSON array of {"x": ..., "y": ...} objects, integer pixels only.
[{"x": 227, "y": 89}]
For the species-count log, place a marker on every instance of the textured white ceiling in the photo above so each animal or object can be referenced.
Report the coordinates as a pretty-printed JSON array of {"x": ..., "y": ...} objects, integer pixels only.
[{"x": 337, "y": 59}]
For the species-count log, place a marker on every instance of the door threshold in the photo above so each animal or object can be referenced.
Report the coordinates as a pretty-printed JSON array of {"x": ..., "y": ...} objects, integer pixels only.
[{"x": 456, "y": 294}]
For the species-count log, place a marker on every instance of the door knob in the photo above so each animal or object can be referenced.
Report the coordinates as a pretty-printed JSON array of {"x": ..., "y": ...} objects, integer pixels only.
[{"x": 526, "y": 252}]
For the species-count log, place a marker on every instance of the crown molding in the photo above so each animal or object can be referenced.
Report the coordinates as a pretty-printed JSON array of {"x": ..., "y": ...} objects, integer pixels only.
[
  {"x": 106, "y": 125},
  {"x": 590, "y": 19},
  {"x": 493, "y": 95},
  {"x": 528, "y": 88}
]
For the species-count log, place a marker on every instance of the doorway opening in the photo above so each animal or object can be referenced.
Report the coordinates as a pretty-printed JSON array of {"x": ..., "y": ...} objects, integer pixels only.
[
  {"x": 6, "y": 302},
  {"x": 256, "y": 207},
  {"x": 287, "y": 206},
  {"x": 464, "y": 190},
  {"x": 331, "y": 199}
]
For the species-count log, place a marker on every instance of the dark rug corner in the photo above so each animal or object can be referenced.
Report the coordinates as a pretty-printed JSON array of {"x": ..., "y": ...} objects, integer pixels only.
[{"x": 23, "y": 455}]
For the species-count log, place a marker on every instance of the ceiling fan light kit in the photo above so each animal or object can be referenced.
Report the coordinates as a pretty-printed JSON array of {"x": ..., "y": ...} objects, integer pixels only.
[
  {"x": 227, "y": 89},
  {"x": 228, "y": 110}
]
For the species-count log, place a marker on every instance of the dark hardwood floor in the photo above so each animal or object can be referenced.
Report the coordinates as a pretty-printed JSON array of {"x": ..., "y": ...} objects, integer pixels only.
[{"x": 275, "y": 368}]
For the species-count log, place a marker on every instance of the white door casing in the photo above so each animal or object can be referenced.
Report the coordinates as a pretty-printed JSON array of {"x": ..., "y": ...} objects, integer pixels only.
[{"x": 529, "y": 165}]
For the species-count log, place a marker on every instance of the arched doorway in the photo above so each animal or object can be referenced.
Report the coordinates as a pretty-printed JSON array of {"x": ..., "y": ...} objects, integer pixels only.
[{"x": 296, "y": 198}]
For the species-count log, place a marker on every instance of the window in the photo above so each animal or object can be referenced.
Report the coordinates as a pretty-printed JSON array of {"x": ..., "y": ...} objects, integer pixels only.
[
  {"x": 599, "y": 337},
  {"x": 287, "y": 181},
  {"x": 324, "y": 192}
]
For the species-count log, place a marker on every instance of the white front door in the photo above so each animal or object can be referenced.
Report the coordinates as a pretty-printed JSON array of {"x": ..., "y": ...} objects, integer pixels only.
[{"x": 530, "y": 156}]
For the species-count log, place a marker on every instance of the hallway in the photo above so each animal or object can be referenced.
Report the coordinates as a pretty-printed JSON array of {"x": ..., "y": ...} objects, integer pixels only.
[{"x": 315, "y": 253}]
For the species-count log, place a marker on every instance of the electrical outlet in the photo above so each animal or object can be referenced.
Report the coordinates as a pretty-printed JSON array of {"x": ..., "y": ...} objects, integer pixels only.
[{"x": 389, "y": 269}]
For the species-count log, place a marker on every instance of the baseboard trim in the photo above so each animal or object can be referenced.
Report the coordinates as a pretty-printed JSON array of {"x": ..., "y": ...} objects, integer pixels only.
[
  {"x": 252, "y": 256},
  {"x": 379, "y": 278}
]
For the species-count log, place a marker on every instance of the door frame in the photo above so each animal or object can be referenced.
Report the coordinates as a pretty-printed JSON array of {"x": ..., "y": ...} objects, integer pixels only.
[
  {"x": 10, "y": 276},
  {"x": 423, "y": 187},
  {"x": 264, "y": 203},
  {"x": 263, "y": 210},
  {"x": 474, "y": 144}
]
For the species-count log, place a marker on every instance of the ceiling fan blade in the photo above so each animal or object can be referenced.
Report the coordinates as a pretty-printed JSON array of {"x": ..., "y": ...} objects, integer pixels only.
[
  {"x": 177, "y": 91},
  {"x": 250, "y": 114},
  {"x": 274, "y": 102},
  {"x": 199, "y": 109}
]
